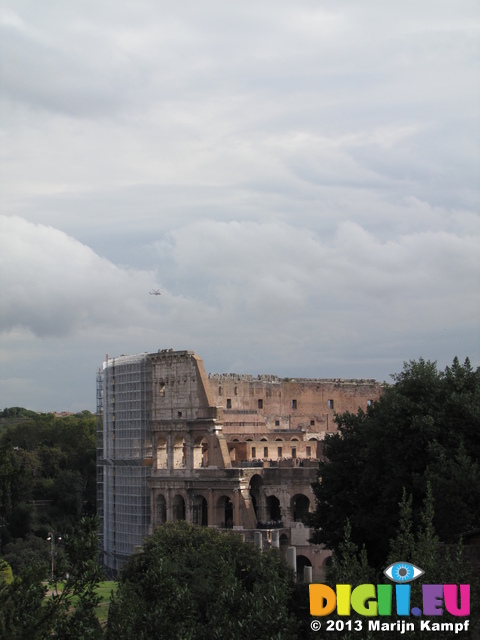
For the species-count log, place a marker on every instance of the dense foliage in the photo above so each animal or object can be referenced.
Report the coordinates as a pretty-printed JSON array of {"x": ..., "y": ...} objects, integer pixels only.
[
  {"x": 443, "y": 564},
  {"x": 29, "y": 611},
  {"x": 47, "y": 480},
  {"x": 424, "y": 429},
  {"x": 195, "y": 582}
]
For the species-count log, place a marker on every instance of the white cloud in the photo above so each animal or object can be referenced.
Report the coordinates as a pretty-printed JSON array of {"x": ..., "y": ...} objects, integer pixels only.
[{"x": 55, "y": 286}]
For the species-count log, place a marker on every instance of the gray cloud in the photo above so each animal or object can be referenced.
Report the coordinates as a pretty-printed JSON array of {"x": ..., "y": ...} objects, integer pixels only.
[{"x": 300, "y": 179}]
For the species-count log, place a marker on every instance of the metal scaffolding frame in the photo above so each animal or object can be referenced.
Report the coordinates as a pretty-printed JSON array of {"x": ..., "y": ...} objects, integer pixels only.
[{"x": 122, "y": 480}]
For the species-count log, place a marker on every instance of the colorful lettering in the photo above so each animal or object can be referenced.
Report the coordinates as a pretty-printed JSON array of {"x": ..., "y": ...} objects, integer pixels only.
[
  {"x": 450, "y": 593},
  {"x": 363, "y": 600},
  {"x": 322, "y": 600}
]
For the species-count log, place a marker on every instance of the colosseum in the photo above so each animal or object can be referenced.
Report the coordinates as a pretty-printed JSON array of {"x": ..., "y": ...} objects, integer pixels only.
[{"x": 231, "y": 451}]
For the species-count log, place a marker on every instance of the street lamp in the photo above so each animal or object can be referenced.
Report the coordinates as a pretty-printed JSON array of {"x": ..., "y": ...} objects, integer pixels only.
[{"x": 52, "y": 538}]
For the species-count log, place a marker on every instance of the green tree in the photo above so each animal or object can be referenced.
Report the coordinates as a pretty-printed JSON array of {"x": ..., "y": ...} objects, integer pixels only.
[
  {"x": 395, "y": 446},
  {"x": 455, "y": 481},
  {"x": 442, "y": 564},
  {"x": 416, "y": 545},
  {"x": 23, "y": 615},
  {"x": 195, "y": 583},
  {"x": 28, "y": 612},
  {"x": 31, "y": 551},
  {"x": 47, "y": 473},
  {"x": 6, "y": 573},
  {"x": 74, "y": 606}
]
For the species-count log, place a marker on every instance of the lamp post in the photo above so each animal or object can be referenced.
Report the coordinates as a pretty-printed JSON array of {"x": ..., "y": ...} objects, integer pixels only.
[{"x": 53, "y": 539}]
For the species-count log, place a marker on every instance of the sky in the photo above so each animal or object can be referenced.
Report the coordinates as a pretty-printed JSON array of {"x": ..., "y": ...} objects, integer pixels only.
[{"x": 300, "y": 179}]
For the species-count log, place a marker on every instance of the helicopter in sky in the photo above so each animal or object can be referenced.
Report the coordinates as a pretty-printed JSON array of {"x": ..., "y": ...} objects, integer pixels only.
[{"x": 156, "y": 292}]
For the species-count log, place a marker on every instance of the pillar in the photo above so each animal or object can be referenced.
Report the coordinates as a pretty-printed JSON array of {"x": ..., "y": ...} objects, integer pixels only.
[
  {"x": 237, "y": 521},
  {"x": 189, "y": 451},
  {"x": 307, "y": 574},
  {"x": 168, "y": 497},
  {"x": 258, "y": 539},
  {"x": 292, "y": 558},
  {"x": 212, "y": 520},
  {"x": 276, "y": 539},
  {"x": 170, "y": 445}
]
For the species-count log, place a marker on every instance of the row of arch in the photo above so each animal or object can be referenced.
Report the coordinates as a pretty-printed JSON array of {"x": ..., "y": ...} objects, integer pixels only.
[
  {"x": 180, "y": 451},
  {"x": 227, "y": 510},
  {"x": 224, "y": 516},
  {"x": 264, "y": 439},
  {"x": 196, "y": 512}
]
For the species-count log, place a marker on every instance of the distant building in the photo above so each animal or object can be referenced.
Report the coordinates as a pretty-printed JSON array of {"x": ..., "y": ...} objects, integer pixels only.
[{"x": 229, "y": 451}]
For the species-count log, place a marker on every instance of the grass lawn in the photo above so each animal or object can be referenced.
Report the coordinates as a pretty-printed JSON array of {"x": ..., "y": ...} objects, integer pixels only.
[{"x": 104, "y": 590}]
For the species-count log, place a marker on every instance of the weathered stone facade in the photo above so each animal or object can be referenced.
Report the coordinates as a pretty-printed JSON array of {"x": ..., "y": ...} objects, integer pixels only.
[{"x": 241, "y": 453}]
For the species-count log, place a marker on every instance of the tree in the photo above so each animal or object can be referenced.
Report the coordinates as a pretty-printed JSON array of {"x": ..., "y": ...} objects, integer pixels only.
[
  {"x": 442, "y": 564},
  {"x": 74, "y": 607},
  {"x": 6, "y": 574},
  {"x": 47, "y": 472},
  {"x": 419, "y": 546},
  {"x": 425, "y": 417},
  {"x": 196, "y": 583},
  {"x": 23, "y": 615},
  {"x": 27, "y": 612},
  {"x": 28, "y": 552}
]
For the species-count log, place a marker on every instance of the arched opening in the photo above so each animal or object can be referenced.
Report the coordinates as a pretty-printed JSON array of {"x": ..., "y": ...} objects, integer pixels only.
[
  {"x": 302, "y": 562},
  {"x": 179, "y": 453},
  {"x": 225, "y": 512},
  {"x": 178, "y": 508},
  {"x": 200, "y": 511},
  {"x": 274, "y": 511},
  {"x": 300, "y": 506},
  {"x": 256, "y": 484},
  {"x": 160, "y": 510},
  {"x": 161, "y": 453},
  {"x": 200, "y": 452}
]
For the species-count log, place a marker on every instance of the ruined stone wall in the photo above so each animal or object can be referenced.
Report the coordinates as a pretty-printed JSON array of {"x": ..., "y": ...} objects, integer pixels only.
[
  {"x": 303, "y": 407},
  {"x": 230, "y": 451}
]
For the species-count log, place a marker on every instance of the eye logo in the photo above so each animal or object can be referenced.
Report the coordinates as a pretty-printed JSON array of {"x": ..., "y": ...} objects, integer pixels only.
[{"x": 403, "y": 572}]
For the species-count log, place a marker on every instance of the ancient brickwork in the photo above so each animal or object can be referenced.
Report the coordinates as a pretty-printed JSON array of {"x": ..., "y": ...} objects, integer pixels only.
[{"x": 238, "y": 452}]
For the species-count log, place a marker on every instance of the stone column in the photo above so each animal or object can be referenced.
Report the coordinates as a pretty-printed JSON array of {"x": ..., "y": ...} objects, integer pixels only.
[
  {"x": 169, "y": 499},
  {"x": 276, "y": 539},
  {"x": 188, "y": 507},
  {"x": 292, "y": 558},
  {"x": 189, "y": 451},
  {"x": 154, "y": 452},
  {"x": 211, "y": 508},
  {"x": 170, "y": 445},
  {"x": 258, "y": 539},
  {"x": 237, "y": 521},
  {"x": 262, "y": 505},
  {"x": 153, "y": 511}
]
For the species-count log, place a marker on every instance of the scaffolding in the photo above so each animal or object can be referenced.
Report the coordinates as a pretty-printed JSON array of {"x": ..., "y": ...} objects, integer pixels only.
[
  {"x": 126, "y": 441},
  {"x": 100, "y": 458}
]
